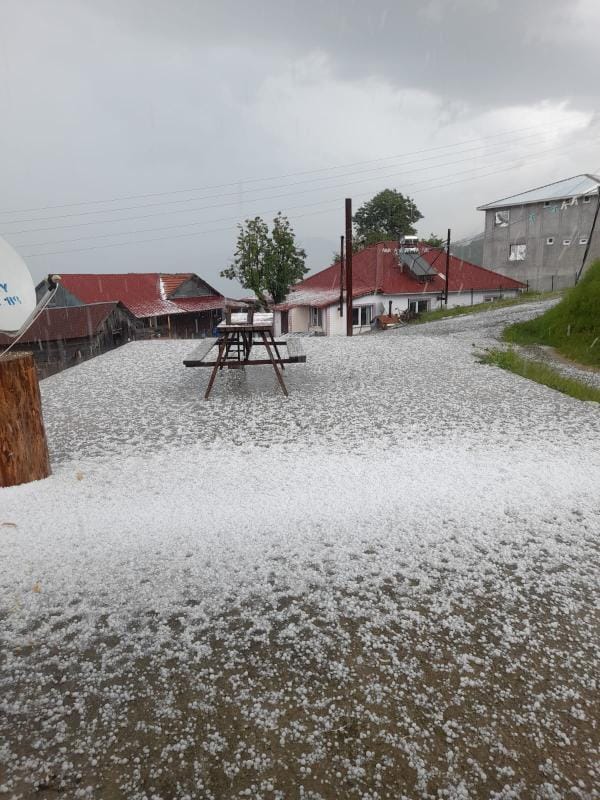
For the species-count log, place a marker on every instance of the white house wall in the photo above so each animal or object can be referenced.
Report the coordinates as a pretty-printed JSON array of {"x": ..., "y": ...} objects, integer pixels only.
[
  {"x": 298, "y": 319},
  {"x": 335, "y": 325}
]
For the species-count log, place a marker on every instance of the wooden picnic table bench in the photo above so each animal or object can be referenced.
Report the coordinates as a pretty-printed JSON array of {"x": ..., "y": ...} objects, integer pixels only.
[{"x": 239, "y": 336}]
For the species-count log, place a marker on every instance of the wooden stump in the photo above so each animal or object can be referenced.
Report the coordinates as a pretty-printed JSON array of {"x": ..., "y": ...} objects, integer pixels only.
[{"x": 23, "y": 448}]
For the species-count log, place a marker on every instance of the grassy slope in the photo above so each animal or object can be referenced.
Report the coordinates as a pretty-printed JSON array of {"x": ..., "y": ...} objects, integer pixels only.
[
  {"x": 572, "y": 326},
  {"x": 540, "y": 373}
]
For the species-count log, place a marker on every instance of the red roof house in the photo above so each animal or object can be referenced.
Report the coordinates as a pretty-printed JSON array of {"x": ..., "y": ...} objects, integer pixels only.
[
  {"x": 145, "y": 294},
  {"x": 385, "y": 280},
  {"x": 175, "y": 304}
]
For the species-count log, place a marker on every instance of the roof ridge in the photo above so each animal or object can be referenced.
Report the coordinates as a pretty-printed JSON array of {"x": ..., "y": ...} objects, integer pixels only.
[
  {"x": 85, "y": 305},
  {"x": 537, "y": 189}
]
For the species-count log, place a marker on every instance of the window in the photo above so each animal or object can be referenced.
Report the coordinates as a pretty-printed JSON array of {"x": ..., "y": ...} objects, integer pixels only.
[
  {"x": 583, "y": 240},
  {"x": 550, "y": 240},
  {"x": 316, "y": 318},
  {"x": 587, "y": 198},
  {"x": 418, "y": 306},
  {"x": 517, "y": 252},
  {"x": 502, "y": 218},
  {"x": 566, "y": 242},
  {"x": 362, "y": 315},
  {"x": 547, "y": 203}
]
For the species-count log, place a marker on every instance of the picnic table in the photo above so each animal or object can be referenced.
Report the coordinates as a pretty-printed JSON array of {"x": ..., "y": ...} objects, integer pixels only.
[{"x": 235, "y": 347}]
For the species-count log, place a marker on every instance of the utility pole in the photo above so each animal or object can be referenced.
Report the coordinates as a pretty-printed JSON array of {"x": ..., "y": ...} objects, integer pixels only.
[
  {"x": 348, "y": 266},
  {"x": 447, "y": 268},
  {"x": 589, "y": 241},
  {"x": 341, "y": 276}
]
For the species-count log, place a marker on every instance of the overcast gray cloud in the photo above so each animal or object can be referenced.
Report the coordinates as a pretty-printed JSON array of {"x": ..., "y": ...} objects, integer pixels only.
[{"x": 475, "y": 99}]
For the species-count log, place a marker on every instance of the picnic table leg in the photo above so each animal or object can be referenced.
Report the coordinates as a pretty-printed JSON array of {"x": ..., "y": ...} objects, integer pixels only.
[
  {"x": 274, "y": 343},
  {"x": 229, "y": 341},
  {"x": 274, "y": 362},
  {"x": 247, "y": 337},
  {"x": 218, "y": 363}
]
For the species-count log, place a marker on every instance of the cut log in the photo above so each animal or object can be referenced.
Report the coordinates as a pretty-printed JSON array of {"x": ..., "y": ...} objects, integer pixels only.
[{"x": 23, "y": 447}]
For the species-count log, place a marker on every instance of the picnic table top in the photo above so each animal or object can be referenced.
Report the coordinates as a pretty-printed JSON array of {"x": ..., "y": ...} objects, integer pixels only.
[{"x": 262, "y": 321}]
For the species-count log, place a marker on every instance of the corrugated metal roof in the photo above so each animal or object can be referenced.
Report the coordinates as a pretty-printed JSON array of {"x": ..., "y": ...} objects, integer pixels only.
[
  {"x": 376, "y": 270},
  {"x": 569, "y": 187},
  {"x": 206, "y": 303},
  {"x": 63, "y": 323},
  {"x": 170, "y": 282},
  {"x": 140, "y": 292}
]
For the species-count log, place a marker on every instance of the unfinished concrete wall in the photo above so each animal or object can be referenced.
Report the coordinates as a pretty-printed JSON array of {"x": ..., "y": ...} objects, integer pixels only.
[{"x": 554, "y": 234}]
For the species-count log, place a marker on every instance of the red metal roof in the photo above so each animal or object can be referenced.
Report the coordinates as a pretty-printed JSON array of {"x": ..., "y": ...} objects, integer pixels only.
[
  {"x": 376, "y": 269},
  {"x": 206, "y": 303},
  {"x": 142, "y": 293},
  {"x": 171, "y": 282},
  {"x": 68, "y": 322}
]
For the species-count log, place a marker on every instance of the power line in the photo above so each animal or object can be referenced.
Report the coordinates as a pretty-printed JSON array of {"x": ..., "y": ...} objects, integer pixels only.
[
  {"x": 269, "y": 197},
  {"x": 231, "y": 194},
  {"x": 503, "y": 135},
  {"x": 225, "y": 219},
  {"x": 229, "y": 227}
]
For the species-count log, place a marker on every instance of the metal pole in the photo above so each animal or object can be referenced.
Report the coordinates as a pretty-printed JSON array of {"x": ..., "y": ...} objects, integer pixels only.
[
  {"x": 348, "y": 266},
  {"x": 589, "y": 241},
  {"x": 341, "y": 276},
  {"x": 447, "y": 268}
]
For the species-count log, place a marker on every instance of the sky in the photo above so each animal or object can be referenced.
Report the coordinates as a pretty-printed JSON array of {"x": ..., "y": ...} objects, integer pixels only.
[{"x": 137, "y": 134}]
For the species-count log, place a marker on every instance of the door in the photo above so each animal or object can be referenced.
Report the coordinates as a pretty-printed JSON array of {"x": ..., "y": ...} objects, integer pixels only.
[{"x": 284, "y": 322}]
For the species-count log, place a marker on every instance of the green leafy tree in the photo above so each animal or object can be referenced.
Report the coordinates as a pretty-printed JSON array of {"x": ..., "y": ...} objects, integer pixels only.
[
  {"x": 435, "y": 241},
  {"x": 388, "y": 215},
  {"x": 267, "y": 264}
]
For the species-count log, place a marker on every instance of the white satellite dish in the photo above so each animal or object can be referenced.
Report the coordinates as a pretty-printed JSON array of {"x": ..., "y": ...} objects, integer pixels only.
[{"x": 17, "y": 290}]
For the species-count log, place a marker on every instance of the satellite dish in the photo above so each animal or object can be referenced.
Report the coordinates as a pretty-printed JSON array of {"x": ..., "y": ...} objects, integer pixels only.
[{"x": 17, "y": 290}]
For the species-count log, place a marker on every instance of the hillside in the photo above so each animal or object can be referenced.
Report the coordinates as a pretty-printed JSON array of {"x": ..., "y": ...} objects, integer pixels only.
[{"x": 572, "y": 326}]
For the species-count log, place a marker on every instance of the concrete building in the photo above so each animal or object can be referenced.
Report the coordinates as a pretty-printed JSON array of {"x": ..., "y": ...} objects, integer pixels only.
[
  {"x": 540, "y": 236},
  {"x": 387, "y": 280}
]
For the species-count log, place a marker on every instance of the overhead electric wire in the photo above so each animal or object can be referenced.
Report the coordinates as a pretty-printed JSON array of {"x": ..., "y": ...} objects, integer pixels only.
[
  {"x": 233, "y": 194},
  {"x": 260, "y": 199},
  {"x": 255, "y": 180},
  {"x": 230, "y": 194},
  {"x": 229, "y": 227}
]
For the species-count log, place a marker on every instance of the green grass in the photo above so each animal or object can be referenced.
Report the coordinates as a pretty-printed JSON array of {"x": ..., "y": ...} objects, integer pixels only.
[
  {"x": 540, "y": 373},
  {"x": 459, "y": 311},
  {"x": 572, "y": 326}
]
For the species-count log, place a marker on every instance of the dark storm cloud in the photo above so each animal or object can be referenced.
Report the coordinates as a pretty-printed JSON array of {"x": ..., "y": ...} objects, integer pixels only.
[
  {"x": 483, "y": 52},
  {"x": 122, "y": 97}
]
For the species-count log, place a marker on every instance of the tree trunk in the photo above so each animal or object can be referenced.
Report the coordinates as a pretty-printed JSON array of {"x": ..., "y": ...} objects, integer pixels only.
[{"x": 23, "y": 448}]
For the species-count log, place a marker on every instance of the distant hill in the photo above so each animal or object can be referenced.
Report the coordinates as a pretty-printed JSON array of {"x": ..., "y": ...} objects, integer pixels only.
[
  {"x": 471, "y": 250},
  {"x": 572, "y": 326}
]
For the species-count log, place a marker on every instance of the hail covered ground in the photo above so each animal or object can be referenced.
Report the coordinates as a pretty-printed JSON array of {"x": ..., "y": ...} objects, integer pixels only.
[{"x": 385, "y": 586}]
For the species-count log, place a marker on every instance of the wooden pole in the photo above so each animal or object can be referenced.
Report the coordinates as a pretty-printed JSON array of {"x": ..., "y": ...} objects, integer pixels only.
[
  {"x": 341, "y": 276},
  {"x": 447, "y": 269},
  {"x": 23, "y": 448},
  {"x": 348, "y": 266}
]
